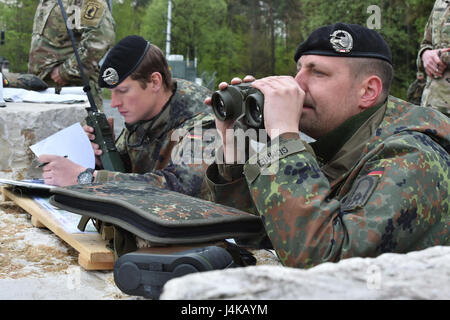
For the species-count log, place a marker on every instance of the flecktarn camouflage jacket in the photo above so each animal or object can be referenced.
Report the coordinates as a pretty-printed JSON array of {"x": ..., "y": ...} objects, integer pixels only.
[
  {"x": 386, "y": 189},
  {"x": 167, "y": 151}
]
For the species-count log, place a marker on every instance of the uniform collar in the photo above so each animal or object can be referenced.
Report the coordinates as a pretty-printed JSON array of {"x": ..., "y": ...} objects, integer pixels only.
[{"x": 327, "y": 146}]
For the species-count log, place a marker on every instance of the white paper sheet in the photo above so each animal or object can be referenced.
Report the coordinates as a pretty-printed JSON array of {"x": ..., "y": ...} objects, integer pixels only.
[
  {"x": 28, "y": 183},
  {"x": 66, "y": 90},
  {"x": 71, "y": 142},
  {"x": 48, "y": 96},
  {"x": 67, "y": 220}
]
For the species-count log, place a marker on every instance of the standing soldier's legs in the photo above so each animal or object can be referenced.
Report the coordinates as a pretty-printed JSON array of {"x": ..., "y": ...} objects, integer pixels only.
[{"x": 97, "y": 94}]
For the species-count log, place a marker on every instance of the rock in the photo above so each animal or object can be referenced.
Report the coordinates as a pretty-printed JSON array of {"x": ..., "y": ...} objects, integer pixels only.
[
  {"x": 415, "y": 275},
  {"x": 22, "y": 125}
]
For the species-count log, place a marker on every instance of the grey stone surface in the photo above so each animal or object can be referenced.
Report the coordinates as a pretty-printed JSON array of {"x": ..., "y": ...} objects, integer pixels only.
[
  {"x": 22, "y": 125},
  {"x": 416, "y": 275}
]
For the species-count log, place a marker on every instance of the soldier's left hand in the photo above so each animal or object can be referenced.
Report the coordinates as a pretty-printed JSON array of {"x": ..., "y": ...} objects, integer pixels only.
[
  {"x": 227, "y": 125},
  {"x": 56, "y": 77},
  {"x": 59, "y": 171}
]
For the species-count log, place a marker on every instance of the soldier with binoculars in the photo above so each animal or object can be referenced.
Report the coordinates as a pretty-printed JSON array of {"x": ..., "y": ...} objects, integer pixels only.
[{"x": 375, "y": 180}]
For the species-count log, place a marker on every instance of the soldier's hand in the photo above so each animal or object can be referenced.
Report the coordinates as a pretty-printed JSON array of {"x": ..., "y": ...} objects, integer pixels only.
[
  {"x": 56, "y": 77},
  {"x": 91, "y": 135},
  {"x": 234, "y": 81},
  {"x": 434, "y": 66},
  {"x": 59, "y": 171},
  {"x": 283, "y": 104}
]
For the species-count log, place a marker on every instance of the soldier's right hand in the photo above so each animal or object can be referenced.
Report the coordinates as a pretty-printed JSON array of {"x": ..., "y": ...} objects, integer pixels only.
[{"x": 91, "y": 135}]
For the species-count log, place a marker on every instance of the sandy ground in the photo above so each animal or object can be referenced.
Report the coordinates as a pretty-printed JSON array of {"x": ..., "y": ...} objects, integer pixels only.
[{"x": 36, "y": 264}]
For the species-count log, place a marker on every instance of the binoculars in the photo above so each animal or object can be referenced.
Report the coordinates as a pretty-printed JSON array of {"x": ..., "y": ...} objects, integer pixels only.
[
  {"x": 238, "y": 100},
  {"x": 145, "y": 274}
]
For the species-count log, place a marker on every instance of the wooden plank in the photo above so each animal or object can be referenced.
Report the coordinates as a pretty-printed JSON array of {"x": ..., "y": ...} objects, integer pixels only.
[
  {"x": 36, "y": 223},
  {"x": 93, "y": 253}
]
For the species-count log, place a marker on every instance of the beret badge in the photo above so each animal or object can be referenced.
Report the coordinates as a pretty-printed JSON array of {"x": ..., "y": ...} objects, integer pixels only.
[
  {"x": 341, "y": 41},
  {"x": 110, "y": 76}
]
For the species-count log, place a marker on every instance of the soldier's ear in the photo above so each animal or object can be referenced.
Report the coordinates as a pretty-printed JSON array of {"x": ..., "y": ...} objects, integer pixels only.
[
  {"x": 370, "y": 92},
  {"x": 156, "y": 81}
]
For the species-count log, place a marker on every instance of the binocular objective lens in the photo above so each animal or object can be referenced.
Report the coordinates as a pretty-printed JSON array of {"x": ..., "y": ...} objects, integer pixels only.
[
  {"x": 256, "y": 112},
  {"x": 221, "y": 108}
]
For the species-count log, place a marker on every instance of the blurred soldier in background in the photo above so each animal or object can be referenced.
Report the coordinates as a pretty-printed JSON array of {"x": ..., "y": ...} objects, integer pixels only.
[
  {"x": 18, "y": 80},
  {"x": 415, "y": 90},
  {"x": 434, "y": 58},
  {"x": 51, "y": 54}
]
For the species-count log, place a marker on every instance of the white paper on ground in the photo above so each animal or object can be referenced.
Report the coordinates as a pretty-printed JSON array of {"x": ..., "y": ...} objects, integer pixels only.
[
  {"x": 47, "y": 96},
  {"x": 71, "y": 142}
]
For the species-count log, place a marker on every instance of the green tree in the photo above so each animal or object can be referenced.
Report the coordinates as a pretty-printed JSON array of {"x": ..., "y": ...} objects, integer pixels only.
[
  {"x": 239, "y": 37},
  {"x": 402, "y": 24},
  {"x": 128, "y": 15},
  {"x": 16, "y": 18},
  {"x": 198, "y": 30}
]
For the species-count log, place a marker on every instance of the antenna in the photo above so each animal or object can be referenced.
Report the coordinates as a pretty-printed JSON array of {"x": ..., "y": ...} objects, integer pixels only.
[{"x": 169, "y": 22}]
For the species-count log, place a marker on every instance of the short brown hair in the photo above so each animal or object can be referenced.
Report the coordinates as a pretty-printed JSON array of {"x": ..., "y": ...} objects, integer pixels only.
[{"x": 153, "y": 61}]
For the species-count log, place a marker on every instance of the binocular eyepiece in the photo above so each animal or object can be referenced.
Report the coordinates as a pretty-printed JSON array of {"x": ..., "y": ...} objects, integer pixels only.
[{"x": 235, "y": 100}]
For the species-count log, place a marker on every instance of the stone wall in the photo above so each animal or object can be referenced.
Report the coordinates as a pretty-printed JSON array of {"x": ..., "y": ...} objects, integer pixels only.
[
  {"x": 22, "y": 125},
  {"x": 416, "y": 275}
]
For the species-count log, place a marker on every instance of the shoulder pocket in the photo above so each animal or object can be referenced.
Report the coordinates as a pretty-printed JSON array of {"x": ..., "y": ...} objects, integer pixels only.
[
  {"x": 360, "y": 193},
  {"x": 92, "y": 12}
]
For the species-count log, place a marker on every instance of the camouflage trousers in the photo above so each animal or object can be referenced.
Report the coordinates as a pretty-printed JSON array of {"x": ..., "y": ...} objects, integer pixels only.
[{"x": 97, "y": 94}]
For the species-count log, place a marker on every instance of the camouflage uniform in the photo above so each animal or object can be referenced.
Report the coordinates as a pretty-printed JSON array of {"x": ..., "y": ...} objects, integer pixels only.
[
  {"x": 437, "y": 36},
  {"x": 93, "y": 29},
  {"x": 24, "y": 80},
  {"x": 415, "y": 90},
  {"x": 146, "y": 147},
  {"x": 378, "y": 183}
]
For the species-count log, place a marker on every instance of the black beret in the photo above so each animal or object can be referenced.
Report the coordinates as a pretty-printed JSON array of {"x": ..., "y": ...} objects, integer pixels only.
[
  {"x": 345, "y": 40},
  {"x": 122, "y": 60}
]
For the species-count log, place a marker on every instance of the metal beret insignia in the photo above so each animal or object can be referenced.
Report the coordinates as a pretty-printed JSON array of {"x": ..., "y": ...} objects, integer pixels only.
[
  {"x": 110, "y": 76},
  {"x": 341, "y": 41}
]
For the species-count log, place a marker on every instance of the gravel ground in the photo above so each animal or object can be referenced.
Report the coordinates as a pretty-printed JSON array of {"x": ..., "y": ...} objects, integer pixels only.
[{"x": 35, "y": 264}]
